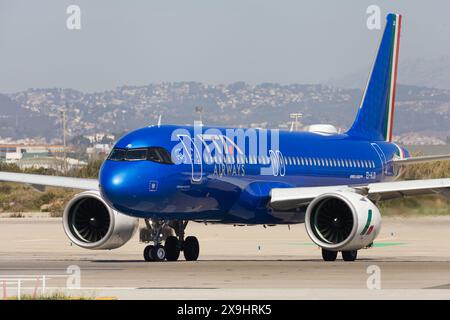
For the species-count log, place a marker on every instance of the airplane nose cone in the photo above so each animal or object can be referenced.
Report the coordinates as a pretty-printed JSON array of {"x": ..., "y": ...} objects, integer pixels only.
[
  {"x": 119, "y": 185},
  {"x": 131, "y": 187}
]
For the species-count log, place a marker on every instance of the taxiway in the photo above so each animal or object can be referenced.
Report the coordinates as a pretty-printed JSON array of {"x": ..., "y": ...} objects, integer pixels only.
[{"x": 411, "y": 259}]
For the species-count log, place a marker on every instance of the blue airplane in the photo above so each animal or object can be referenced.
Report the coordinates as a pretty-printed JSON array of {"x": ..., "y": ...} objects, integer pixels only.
[{"x": 170, "y": 175}]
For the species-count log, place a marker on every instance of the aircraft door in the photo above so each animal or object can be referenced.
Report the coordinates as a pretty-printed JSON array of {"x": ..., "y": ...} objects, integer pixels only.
[
  {"x": 382, "y": 157},
  {"x": 194, "y": 157}
]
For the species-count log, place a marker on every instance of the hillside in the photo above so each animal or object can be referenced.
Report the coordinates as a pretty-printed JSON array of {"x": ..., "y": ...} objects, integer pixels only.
[{"x": 34, "y": 112}]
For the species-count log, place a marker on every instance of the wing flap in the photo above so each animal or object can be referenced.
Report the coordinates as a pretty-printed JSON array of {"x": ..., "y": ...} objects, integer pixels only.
[{"x": 51, "y": 181}]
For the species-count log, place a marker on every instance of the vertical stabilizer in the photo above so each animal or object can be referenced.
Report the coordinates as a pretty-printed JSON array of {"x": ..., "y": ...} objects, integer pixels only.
[{"x": 375, "y": 117}]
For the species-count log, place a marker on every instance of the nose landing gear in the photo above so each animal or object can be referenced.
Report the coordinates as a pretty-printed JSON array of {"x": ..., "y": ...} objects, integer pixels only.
[
  {"x": 158, "y": 231},
  {"x": 154, "y": 253}
]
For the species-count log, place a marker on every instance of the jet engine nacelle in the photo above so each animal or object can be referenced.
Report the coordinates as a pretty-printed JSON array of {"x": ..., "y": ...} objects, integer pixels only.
[
  {"x": 91, "y": 224},
  {"x": 342, "y": 220}
]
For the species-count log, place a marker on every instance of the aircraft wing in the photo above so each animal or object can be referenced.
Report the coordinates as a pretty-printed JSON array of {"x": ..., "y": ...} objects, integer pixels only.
[
  {"x": 52, "y": 181},
  {"x": 424, "y": 159},
  {"x": 291, "y": 198}
]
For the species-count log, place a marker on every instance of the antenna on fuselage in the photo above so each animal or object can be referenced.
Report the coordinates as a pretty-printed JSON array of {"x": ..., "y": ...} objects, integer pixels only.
[{"x": 159, "y": 120}]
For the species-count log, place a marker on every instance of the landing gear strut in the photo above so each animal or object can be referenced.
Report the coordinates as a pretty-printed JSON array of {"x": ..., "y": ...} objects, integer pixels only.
[{"x": 158, "y": 231}]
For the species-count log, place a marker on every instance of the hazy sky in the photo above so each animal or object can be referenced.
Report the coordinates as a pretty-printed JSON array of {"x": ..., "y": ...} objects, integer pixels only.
[{"x": 214, "y": 41}]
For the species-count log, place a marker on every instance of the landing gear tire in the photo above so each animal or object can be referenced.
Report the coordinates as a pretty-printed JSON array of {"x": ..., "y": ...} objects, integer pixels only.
[
  {"x": 148, "y": 253},
  {"x": 349, "y": 255},
  {"x": 191, "y": 248},
  {"x": 158, "y": 253},
  {"x": 172, "y": 247},
  {"x": 329, "y": 255}
]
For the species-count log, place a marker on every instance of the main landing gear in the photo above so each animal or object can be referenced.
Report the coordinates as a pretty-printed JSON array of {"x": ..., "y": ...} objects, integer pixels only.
[
  {"x": 158, "y": 231},
  {"x": 329, "y": 255}
]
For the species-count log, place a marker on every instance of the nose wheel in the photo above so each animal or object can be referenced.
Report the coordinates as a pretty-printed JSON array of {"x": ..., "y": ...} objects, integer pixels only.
[
  {"x": 154, "y": 253},
  {"x": 173, "y": 245}
]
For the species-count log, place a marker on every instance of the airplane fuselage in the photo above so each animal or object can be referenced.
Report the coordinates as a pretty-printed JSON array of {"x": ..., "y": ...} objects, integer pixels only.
[{"x": 217, "y": 177}]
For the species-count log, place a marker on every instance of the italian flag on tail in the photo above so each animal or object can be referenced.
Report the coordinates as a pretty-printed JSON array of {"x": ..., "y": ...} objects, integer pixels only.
[{"x": 393, "y": 77}]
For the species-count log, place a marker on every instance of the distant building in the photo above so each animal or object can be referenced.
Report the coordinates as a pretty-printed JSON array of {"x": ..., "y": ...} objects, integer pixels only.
[
  {"x": 98, "y": 151},
  {"x": 98, "y": 137},
  {"x": 33, "y": 156},
  {"x": 10, "y": 153},
  {"x": 50, "y": 163}
]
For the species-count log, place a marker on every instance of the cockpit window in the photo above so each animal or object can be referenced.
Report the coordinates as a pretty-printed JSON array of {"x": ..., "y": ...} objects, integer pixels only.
[
  {"x": 158, "y": 154},
  {"x": 155, "y": 154},
  {"x": 117, "y": 154},
  {"x": 136, "y": 154}
]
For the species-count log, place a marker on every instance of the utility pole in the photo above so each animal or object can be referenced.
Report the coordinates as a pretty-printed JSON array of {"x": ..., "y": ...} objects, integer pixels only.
[
  {"x": 64, "y": 119},
  {"x": 199, "y": 110},
  {"x": 295, "y": 124}
]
